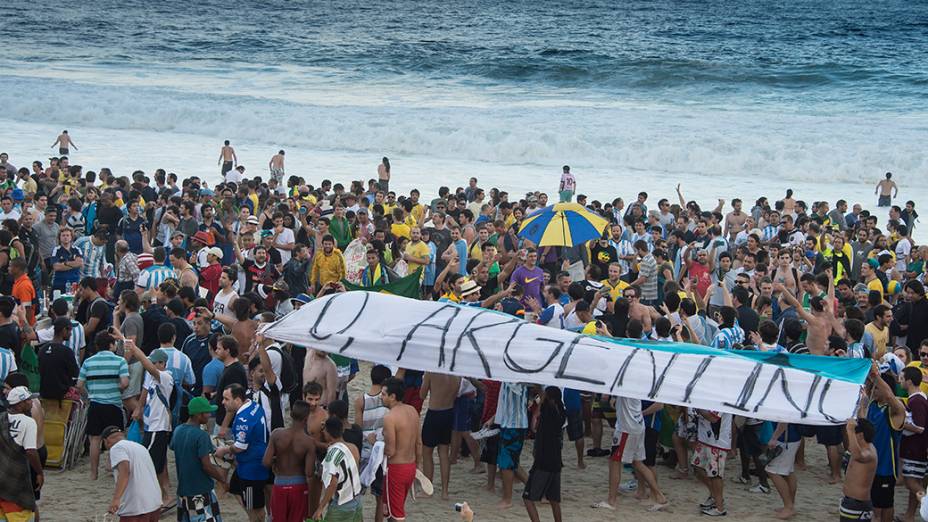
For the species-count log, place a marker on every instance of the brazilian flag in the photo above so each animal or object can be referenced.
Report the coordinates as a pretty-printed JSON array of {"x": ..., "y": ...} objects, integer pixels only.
[{"x": 406, "y": 286}]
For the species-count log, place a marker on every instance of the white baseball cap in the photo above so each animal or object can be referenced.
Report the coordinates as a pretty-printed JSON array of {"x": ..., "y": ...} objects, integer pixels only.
[{"x": 18, "y": 395}]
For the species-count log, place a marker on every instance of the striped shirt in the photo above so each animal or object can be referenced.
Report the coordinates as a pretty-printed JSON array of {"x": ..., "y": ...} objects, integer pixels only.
[
  {"x": 76, "y": 342},
  {"x": 102, "y": 374},
  {"x": 153, "y": 276},
  {"x": 180, "y": 366},
  {"x": 727, "y": 338},
  {"x": 94, "y": 257},
  {"x": 512, "y": 408},
  {"x": 7, "y": 363},
  {"x": 769, "y": 232},
  {"x": 374, "y": 411},
  {"x": 624, "y": 248}
]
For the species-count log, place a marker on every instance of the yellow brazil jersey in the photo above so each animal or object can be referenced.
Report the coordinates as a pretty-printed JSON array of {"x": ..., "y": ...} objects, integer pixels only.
[
  {"x": 924, "y": 370},
  {"x": 417, "y": 249},
  {"x": 400, "y": 230},
  {"x": 417, "y": 211},
  {"x": 615, "y": 292}
]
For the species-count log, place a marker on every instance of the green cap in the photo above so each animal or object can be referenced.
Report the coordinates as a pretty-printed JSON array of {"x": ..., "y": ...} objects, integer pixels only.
[
  {"x": 199, "y": 405},
  {"x": 158, "y": 355}
]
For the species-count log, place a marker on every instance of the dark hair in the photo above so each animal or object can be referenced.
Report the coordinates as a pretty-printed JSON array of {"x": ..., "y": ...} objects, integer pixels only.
[
  {"x": 865, "y": 428},
  {"x": 662, "y": 326},
  {"x": 741, "y": 294},
  {"x": 299, "y": 411},
  {"x": 380, "y": 373},
  {"x": 166, "y": 333},
  {"x": 312, "y": 388},
  {"x": 913, "y": 374},
  {"x": 236, "y": 390},
  {"x": 769, "y": 332},
  {"x": 634, "y": 329},
  {"x": 792, "y": 328},
  {"x": 395, "y": 387},
  {"x": 131, "y": 300},
  {"x": 230, "y": 344},
  {"x": 729, "y": 316},
  {"x": 334, "y": 427},
  {"x": 14, "y": 379},
  {"x": 338, "y": 408},
  {"x": 61, "y": 324},
  {"x": 854, "y": 328}
]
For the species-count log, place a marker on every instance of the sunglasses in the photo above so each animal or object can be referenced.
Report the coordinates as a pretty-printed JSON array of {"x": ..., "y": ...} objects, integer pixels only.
[{"x": 923, "y": 354}]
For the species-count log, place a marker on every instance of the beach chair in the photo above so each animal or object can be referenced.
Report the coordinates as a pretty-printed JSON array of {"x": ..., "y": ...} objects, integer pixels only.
[{"x": 65, "y": 424}]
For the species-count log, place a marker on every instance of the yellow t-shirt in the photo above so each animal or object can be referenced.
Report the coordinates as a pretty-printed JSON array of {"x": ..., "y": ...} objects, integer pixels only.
[
  {"x": 400, "y": 230},
  {"x": 410, "y": 221},
  {"x": 417, "y": 211},
  {"x": 924, "y": 370},
  {"x": 417, "y": 249},
  {"x": 615, "y": 291},
  {"x": 876, "y": 285},
  {"x": 880, "y": 340}
]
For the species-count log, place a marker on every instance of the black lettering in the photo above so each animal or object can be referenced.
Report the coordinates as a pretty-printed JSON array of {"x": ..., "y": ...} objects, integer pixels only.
[
  {"x": 656, "y": 386},
  {"x": 442, "y": 327},
  {"x": 562, "y": 369},
  {"x": 313, "y": 332},
  {"x": 468, "y": 332},
  {"x": 703, "y": 365},
  {"x": 620, "y": 376},
  {"x": 780, "y": 374},
  {"x": 821, "y": 403},
  {"x": 516, "y": 367},
  {"x": 747, "y": 389}
]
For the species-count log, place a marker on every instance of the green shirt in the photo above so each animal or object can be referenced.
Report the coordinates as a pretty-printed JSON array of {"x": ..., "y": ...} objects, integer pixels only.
[{"x": 190, "y": 445}]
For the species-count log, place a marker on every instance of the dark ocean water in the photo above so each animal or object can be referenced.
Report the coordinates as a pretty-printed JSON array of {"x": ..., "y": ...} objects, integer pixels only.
[{"x": 837, "y": 88}]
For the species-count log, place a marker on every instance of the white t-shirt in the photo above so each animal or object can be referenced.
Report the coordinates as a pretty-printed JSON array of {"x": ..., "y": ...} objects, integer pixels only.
[
  {"x": 707, "y": 434},
  {"x": 628, "y": 416},
  {"x": 903, "y": 249},
  {"x": 571, "y": 322},
  {"x": 222, "y": 301},
  {"x": 234, "y": 176},
  {"x": 24, "y": 430},
  {"x": 285, "y": 237},
  {"x": 339, "y": 464},
  {"x": 13, "y": 214},
  {"x": 157, "y": 416},
  {"x": 141, "y": 495}
]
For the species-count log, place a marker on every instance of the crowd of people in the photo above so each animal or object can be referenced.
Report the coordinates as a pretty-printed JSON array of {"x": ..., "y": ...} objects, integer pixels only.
[{"x": 143, "y": 297}]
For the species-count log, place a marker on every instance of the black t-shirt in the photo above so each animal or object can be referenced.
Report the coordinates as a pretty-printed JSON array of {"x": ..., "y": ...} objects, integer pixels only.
[
  {"x": 100, "y": 309},
  {"x": 11, "y": 339},
  {"x": 548, "y": 439},
  {"x": 748, "y": 319},
  {"x": 109, "y": 217},
  {"x": 152, "y": 318},
  {"x": 354, "y": 435},
  {"x": 602, "y": 256},
  {"x": 232, "y": 374},
  {"x": 255, "y": 275},
  {"x": 57, "y": 370}
]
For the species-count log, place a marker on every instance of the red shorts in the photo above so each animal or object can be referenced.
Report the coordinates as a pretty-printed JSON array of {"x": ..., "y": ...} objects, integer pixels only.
[
  {"x": 411, "y": 397},
  {"x": 289, "y": 503},
  {"x": 154, "y": 516},
  {"x": 398, "y": 481}
]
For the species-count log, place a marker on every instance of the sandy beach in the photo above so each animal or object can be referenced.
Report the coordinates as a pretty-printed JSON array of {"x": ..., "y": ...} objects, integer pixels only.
[{"x": 72, "y": 496}]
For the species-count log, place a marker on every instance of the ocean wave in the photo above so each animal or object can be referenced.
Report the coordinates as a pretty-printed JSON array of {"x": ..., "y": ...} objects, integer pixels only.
[{"x": 653, "y": 138}]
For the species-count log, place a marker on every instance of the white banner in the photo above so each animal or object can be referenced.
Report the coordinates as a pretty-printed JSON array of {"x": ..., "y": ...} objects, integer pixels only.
[{"x": 475, "y": 342}]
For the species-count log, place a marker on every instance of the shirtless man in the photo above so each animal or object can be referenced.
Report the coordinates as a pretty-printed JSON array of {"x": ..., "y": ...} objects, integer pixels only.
[
  {"x": 636, "y": 310},
  {"x": 887, "y": 190},
  {"x": 276, "y": 166},
  {"x": 438, "y": 424},
  {"x": 401, "y": 448},
  {"x": 819, "y": 322},
  {"x": 227, "y": 158},
  {"x": 239, "y": 324},
  {"x": 64, "y": 143},
  {"x": 321, "y": 369},
  {"x": 734, "y": 221},
  {"x": 291, "y": 455},
  {"x": 784, "y": 274},
  {"x": 861, "y": 469},
  {"x": 315, "y": 421}
]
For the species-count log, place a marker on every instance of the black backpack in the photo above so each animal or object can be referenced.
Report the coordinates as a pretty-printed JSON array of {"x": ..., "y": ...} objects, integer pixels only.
[{"x": 288, "y": 378}]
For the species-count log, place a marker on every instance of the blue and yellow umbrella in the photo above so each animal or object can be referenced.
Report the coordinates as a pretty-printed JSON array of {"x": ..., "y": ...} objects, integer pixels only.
[{"x": 563, "y": 224}]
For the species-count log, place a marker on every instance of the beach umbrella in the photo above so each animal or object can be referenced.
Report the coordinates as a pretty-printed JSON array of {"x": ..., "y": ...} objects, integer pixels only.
[{"x": 562, "y": 224}]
